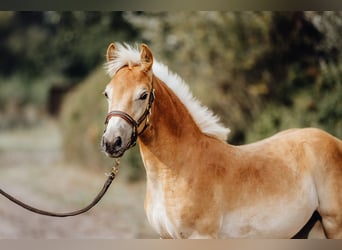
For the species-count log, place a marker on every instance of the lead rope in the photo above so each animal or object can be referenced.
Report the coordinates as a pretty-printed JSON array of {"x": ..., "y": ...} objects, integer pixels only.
[{"x": 111, "y": 177}]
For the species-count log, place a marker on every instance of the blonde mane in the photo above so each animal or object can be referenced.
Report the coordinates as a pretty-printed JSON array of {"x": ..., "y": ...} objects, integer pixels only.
[{"x": 204, "y": 118}]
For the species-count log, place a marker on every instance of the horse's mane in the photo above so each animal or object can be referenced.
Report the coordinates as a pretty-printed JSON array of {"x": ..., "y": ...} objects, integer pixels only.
[{"x": 204, "y": 118}]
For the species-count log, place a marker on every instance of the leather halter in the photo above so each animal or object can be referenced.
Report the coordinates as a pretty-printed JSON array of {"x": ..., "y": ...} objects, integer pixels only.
[{"x": 130, "y": 120}]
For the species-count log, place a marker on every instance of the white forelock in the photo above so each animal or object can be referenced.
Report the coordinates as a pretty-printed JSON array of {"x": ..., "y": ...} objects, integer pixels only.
[{"x": 204, "y": 118}]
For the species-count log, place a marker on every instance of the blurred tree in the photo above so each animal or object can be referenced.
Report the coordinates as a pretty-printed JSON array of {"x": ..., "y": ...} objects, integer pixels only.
[
  {"x": 42, "y": 50},
  {"x": 305, "y": 84},
  {"x": 255, "y": 65}
]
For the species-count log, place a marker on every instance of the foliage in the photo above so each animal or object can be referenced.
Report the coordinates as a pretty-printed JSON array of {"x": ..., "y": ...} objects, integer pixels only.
[
  {"x": 41, "y": 50},
  {"x": 308, "y": 93},
  {"x": 260, "y": 68},
  {"x": 81, "y": 117}
]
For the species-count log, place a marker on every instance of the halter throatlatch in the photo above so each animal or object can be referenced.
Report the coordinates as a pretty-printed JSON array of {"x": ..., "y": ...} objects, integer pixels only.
[{"x": 135, "y": 124}]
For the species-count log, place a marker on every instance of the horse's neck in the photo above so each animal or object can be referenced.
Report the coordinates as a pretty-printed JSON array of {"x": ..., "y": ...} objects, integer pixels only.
[{"x": 172, "y": 130}]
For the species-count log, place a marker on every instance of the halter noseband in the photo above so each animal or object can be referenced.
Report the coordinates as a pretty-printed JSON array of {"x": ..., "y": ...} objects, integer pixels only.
[{"x": 135, "y": 124}]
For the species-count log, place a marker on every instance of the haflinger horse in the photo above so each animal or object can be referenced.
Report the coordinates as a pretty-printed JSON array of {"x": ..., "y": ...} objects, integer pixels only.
[{"x": 198, "y": 185}]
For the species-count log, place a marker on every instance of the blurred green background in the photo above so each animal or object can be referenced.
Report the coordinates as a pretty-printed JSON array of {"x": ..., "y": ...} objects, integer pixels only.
[{"x": 264, "y": 71}]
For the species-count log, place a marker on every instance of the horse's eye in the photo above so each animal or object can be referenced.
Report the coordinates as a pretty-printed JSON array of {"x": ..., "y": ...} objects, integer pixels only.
[
  {"x": 143, "y": 96},
  {"x": 105, "y": 94}
]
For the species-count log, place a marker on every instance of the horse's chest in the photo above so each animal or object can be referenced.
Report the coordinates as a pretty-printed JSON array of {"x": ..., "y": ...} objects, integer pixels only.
[
  {"x": 158, "y": 216},
  {"x": 173, "y": 216}
]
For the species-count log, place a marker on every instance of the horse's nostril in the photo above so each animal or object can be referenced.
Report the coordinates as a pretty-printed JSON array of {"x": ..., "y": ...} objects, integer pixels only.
[
  {"x": 117, "y": 142},
  {"x": 112, "y": 147}
]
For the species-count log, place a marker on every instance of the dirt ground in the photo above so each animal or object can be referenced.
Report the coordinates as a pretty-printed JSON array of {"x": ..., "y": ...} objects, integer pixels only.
[{"x": 32, "y": 168}]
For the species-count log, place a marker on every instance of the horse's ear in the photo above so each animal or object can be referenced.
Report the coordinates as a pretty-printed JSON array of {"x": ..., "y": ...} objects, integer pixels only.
[
  {"x": 146, "y": 58},
  {"x": 110, "y": 52}
]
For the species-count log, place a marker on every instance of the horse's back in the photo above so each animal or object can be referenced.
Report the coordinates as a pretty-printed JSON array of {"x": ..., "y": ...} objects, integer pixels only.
[
  {"x": 310, "y": 134},
  {"x": 312, "y": 149},
  {"x": 314, "y": 143},
  {"x": 321, "y": 150}
]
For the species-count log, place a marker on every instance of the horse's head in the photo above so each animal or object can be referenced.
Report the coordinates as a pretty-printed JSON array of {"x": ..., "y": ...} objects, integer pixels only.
[{"x": 130, "y": 95}]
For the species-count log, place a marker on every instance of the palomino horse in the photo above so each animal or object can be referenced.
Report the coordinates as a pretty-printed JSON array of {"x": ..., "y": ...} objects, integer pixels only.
[{"x": 198, "y": 186}]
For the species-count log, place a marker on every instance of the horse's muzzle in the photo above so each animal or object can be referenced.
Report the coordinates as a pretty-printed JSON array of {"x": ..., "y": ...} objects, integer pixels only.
[{"x": 113, "y": 149}]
